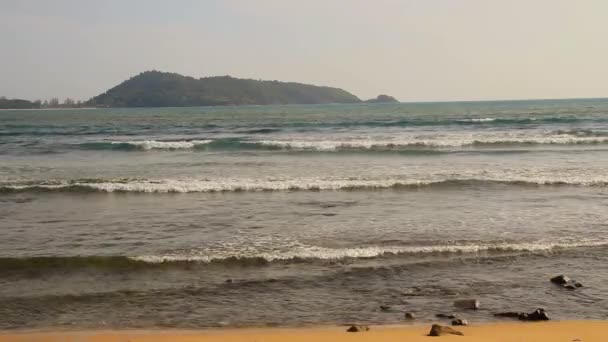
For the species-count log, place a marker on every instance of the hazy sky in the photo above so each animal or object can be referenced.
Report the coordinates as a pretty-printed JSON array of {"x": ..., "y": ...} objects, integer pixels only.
[{"x": 421, "y": 50}]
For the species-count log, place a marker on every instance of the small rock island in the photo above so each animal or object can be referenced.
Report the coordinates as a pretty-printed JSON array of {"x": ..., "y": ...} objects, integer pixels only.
[{"x": 383, "y": 99}]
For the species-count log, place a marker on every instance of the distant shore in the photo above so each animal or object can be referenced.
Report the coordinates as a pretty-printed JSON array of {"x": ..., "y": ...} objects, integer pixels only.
[
  {"x": 567, "y": 331},
  {"x": 49, "y": 109}
]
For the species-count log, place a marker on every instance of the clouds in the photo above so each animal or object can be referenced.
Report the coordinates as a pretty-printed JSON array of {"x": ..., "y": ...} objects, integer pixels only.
[{"x": 415, "y": 50}]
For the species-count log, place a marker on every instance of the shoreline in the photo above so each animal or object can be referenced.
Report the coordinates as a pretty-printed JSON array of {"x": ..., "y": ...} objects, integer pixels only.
[{"x": 571, "y": 330}]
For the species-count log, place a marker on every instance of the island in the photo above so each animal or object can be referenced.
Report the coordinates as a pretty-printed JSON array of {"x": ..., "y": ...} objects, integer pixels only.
[
  {"x": 383, "y": 99},
  {"x": 165, "y": 89},
  {"x": 162, "y": 89}
]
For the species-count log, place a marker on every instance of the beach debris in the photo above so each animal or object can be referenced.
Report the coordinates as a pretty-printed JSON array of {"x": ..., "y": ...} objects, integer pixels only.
[
  {"x": 440, "y": 315},
  {"x": 472, "y": 304},
  {"x": 566, "y": 282},
  {"x": 460, "y": 322},
  {"x": 536, "y": 315},
  {"x": 357, "y": 328},
  {"x": 228, "y": 281},
  {"x": 385, "y": 308},
  {"x": 409, "y": 315},
  {"x": 438, "y": 330}
]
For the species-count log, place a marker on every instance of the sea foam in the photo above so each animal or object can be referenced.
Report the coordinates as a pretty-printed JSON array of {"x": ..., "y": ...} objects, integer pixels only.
[
  {"x": 165, "y": 145},
  {"x": 322, "y": 253},
  {"x": 299, "y": 184}
]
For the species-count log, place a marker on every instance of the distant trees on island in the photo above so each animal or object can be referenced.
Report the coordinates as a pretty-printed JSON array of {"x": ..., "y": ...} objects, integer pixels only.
[
  {"x": 54, "y": 102},
  {"x": 67, "y": 103}
]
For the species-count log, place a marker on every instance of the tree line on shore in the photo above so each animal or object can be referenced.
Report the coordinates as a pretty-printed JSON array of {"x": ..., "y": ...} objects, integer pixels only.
[{"x": 6, "y": 103}]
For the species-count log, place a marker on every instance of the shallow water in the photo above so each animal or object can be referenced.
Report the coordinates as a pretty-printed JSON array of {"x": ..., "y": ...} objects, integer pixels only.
[{"x": 318, "y": 214}]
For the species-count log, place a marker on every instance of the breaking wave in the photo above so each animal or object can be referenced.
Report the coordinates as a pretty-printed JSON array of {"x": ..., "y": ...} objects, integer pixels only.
[
  {"x": 578, "y": 137},
  {"x": 295, "y": 255},
  {"x": 144, "y": 145},
  {"x": 484, "y": 120},
  {"x": 296, "y": 184},
  {"x": 450, "y": 142},
  {"x": 321, "y": 253}
]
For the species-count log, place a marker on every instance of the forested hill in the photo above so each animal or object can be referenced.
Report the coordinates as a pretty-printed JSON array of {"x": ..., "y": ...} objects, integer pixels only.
[{"x": 161, "y": 89}]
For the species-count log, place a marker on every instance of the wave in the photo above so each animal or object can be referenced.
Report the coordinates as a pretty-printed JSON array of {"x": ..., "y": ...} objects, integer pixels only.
[
  {"x": 582, "y": 133},
  {"x": 412, "y": 144},
  {"x": 296, "y": 184},
  {"x": 259, "y": 131},
  {"x": 448, "y": 142},
  {"x": 143, "y": 145},
  {"x": 480, "y": 120},
  {"x": 296, "y": 255},
  {"x": 484, "y": 121},
  {"x": 437, "y": 121},
  {"x": 9, "y": 130},
  {"x": 321, "y": 253}
]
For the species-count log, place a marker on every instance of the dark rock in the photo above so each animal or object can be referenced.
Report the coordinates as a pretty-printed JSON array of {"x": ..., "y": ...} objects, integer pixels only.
[
  {"x": 472, "y": 304},
  {"x": 385, "y": 308},
  {"x": 445, "y": 316},
  {"x": 536, "y": 315},
  {"x": 566, "y": 283},
  {"x": 409, "y": 315},
  {"x": 228, "y": 281},
  {"x": 560, "y": 279},
  {"x": 460, "y": 322},
  {"x": 357, "y": 328},
  {"x": 438, "y": 330}
]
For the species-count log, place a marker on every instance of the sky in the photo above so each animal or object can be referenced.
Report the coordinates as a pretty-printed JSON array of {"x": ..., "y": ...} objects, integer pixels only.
[{"x": 418, "y": 50}]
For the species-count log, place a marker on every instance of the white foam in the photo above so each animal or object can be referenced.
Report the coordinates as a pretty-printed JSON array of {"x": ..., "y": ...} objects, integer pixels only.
[
  {"x": 478, "y": 120},
  {"x": 232, "y": 185},
  {"x": 168, "y": 145},
  {"x": 321, "y": 253},
  {"x": 311, "y": 184},
  {"x": 454, "y": 141}
]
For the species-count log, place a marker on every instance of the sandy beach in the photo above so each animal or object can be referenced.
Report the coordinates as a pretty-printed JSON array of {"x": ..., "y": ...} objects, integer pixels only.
[{"x": 567, "y": 331}]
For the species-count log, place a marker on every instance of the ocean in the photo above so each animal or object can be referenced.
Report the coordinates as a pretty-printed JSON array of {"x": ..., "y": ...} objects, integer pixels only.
[{"x": 301, "y": 215}]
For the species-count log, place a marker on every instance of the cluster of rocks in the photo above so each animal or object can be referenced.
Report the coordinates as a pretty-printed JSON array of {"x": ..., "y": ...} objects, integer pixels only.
[
  {"x": 455, "y": 320},
  {"x": 566, "y": 282},
  {"x": 460, "y": 322},
  {"x": 357, "y": 328},
  {"x": 436, "y": 330},
  {"x": 536, "y": 315},
  {"x": 473, "y": 304}
]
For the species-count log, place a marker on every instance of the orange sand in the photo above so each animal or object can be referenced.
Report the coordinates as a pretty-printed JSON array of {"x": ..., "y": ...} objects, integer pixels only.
[{"x": 566, "y": 331}]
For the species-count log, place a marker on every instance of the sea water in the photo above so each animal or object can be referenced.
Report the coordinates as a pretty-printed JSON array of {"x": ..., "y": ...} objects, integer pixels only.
[{"x": 299, "y": 215}]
